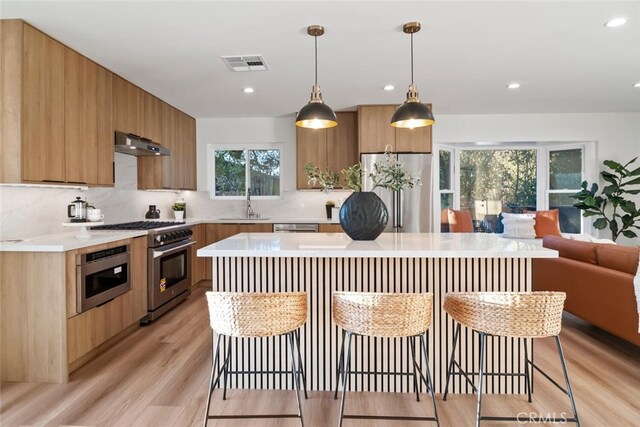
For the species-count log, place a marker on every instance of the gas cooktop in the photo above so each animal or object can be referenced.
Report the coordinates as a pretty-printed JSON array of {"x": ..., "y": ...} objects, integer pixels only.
[{"x": 138, "y": 225}]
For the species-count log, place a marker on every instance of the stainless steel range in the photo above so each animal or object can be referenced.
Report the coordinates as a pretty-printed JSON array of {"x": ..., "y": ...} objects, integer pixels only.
[{"x": 169, "y": 263}]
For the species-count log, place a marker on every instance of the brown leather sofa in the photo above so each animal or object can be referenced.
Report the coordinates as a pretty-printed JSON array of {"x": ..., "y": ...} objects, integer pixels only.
[{"x": 598, "y": 281}]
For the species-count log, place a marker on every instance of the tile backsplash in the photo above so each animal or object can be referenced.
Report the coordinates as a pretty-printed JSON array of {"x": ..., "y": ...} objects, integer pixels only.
[{"x": 32, "y": 211}]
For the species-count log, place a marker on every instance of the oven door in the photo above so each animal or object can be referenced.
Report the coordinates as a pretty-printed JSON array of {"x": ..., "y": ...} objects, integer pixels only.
[
  {"x": 169, "y": 272},
  {"x": 101, "y": 281}
]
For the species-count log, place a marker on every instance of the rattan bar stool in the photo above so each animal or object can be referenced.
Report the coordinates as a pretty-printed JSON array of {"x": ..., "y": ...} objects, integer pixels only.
[
  {"x": 388, "y": 315},
  {"x": 508, "y": 314},
  {"x": 256, "y": 315}
]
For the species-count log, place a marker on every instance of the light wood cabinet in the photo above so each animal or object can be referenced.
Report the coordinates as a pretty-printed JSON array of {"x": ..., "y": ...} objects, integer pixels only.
[
  {"x": 335, "y": 148},
  {"x": 375, "y": 132},
  {"x": 151, "y": 117},
  {"x": 330, "y": 228},
  {"x": 198, "y": 264},
  {"x": 127, "y": 100},
  {"x": 88, "y": 121},
  {"x": 177, "y": 171},
  {"x": 43, "y": 157}
]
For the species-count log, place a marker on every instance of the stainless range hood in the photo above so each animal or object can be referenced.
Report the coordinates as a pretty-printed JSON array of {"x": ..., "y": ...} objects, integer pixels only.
[{"x": 127, "y": 143}]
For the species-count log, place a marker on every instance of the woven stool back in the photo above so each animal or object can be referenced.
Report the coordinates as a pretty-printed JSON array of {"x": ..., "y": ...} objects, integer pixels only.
[
  {"x": 382, "y": 315},
  {"x": 241, "y": 314},
  {"x": 510, "y": 314}
]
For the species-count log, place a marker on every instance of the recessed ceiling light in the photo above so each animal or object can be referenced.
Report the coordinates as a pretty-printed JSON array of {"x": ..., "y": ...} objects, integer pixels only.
[
  {"x": 513, "y": 85},
  {"x": 615, "y": 22},
  {"x": 389, "y": 87},
  {"x": 636, "y": 84},
  {"x": 248, "y": 90}
]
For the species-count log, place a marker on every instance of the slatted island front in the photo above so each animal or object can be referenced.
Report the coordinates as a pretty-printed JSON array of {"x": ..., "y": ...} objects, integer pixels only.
[{"x": 410, "y": 262}]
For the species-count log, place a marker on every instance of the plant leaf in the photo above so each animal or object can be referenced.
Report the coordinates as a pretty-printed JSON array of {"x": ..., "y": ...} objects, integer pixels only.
[
  {"x": 634, "y": 181},
  {"x": 609, "y": 177},
  {"x": 600, "y": 223},
  {"x": 614, "y": 165},
  {"x": 628, "y": 206},
  {"x": 590, "y": 213},
  {"x": 630, "y": 234},
  {"x": 613, "y": 226}
]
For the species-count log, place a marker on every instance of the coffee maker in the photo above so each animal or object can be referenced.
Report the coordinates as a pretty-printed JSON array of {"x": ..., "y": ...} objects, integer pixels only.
[{"x": 77, "y": 210}]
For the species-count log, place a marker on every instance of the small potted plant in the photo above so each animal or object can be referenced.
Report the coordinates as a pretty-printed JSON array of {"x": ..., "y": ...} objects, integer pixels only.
[
  {"x": 178, "y": 210},
  {"x": 329, "y": 205}
]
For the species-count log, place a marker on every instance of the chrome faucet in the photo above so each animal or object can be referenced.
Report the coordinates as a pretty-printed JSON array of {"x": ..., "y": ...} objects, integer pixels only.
[{"x": 250, "y": 213}]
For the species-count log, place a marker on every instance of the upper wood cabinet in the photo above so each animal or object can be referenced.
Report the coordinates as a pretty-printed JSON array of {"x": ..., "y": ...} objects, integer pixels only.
[
  {"x": 375, "y": 132},
  {"x": 177, "y": 171},
  {"x": 88, "y": 121},
  {"x": 43, "y": 156},
  {"x": 335, "y": 148},
  {"x": 151, "y": 113},
  {"x": 127, "y": 99}
]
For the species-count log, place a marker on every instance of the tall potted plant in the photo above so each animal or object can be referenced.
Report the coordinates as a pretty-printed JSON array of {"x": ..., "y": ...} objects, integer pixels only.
[{"x": 611, "y": 208}]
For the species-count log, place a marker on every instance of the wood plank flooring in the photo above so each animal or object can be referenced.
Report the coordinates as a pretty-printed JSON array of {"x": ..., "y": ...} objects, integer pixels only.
[{"x": 158, "y": 376}]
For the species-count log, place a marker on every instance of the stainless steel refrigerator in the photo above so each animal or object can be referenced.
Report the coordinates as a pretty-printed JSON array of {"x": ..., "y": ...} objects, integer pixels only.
[{"x": 409, "y": 209}]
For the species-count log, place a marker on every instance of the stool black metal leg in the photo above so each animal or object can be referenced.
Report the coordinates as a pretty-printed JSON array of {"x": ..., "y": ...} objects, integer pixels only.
[
  {"x": 300, "y": 364},
  {"x": 214, "y": 363},
  {"x": 345, "y": 376},
  {"x": 483, "y": 339},
  {"x": 225, "y": 368},
  {"x": 456, "y": 335},
  {"x": 566, "y": 380},
  {"x": 527, "y": 381},
  {"x": 295, "y": 374},
  {"x": 412, "y": 343},
  {"x": 339, "y": 366},
  {"x": 423, "y": 341}
]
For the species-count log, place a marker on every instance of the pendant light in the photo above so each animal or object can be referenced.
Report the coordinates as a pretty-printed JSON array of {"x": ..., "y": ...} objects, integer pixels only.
[
  {"x": 413, "y": 113},
  {"x": 316, "y": 114}
]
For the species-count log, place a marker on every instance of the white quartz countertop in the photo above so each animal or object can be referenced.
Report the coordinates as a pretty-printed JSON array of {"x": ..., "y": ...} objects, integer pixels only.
[
  {"x": 267, "y": 220},
  {"x": 67, "y": 241},
  {"x": 387, "y": 245}
]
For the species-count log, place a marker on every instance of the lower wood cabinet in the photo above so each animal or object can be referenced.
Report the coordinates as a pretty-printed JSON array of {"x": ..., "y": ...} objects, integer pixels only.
[
  {"x": 38, "y": 316},
  {"x": 330, "y": 228},
  {"x": 198, "y": 264}
]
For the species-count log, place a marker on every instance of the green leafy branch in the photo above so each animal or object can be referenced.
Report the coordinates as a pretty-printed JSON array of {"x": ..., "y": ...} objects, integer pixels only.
[
  {"x": 390, "y": 174},
  {"x": 328, "y": 179},
  {"x": 611, "y": 209},
  {"x": 353, "y": 176}
]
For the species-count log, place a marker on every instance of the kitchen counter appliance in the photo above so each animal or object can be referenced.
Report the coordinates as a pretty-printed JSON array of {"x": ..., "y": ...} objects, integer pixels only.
[
  {"x": 102, "y": 276},
  {"x": 168, "y": 263},
  {"x": 295, "y": 228}
]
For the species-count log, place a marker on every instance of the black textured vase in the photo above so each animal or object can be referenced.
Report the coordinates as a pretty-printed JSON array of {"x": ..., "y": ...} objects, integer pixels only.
[{"x": 363, "y": 215}]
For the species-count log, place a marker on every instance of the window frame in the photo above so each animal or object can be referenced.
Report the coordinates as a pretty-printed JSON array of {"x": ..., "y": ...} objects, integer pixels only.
[
  {"x": 211, "y": 168},
  {"x": 589, "y": 170}
]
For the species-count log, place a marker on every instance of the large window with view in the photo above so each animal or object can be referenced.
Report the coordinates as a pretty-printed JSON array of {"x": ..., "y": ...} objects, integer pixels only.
[
  {"x": 238, "y": 171},
  {"x": 490, "y": 180}
]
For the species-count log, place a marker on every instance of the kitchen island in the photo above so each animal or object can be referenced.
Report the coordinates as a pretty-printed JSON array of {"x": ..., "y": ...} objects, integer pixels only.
[{"x": 410, "y": 262}]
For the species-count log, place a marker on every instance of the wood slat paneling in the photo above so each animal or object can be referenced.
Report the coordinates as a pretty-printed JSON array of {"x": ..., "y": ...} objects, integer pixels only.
[{"x": 320, "y": 337}]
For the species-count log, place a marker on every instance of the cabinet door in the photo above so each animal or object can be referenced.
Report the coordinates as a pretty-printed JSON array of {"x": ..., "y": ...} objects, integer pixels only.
[
  {"x": 330, "y": 228},
  {"x": 199, "y": 265},
  {"x": 311, "y": 146},
  {"x": 374, "y": 128},
  {"x": 190, "y": 163},
  {"x": 126, "y": 106},
  {"x": 342, "y": 142},
  {"x": 138, "y": 277},
  {"x": 215, "y": 233},
  {"x": 255, "y": 228},
  {"x": 43, "y": 153},
  {"x": 88, "y": 125},
  {"x": 179, "y": 166},
  {"x": 151, "y": 113},
  {"x": 416, "y": 140}
]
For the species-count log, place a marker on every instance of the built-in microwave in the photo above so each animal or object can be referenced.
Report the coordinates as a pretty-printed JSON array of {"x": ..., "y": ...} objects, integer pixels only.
[{"x": 102, "y": 276}]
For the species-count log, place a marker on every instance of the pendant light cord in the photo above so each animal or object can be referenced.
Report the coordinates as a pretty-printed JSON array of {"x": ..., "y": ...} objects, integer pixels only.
[
  {"x": 315, "y": 39},
  {"x": 411, "y": 59}
]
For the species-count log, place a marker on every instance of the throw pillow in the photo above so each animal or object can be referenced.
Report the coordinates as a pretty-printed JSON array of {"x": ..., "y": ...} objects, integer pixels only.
[
  {"x": 519, "y": 225},
  {"x": 460, "y": 221},
  {"x": 547, "y": 223}
]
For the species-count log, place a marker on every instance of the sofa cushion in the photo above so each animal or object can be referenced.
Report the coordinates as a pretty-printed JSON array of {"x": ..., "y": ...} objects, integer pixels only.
[
  {"x": 572, "y": 249},
  {"x": 547, "y": 223},
  {"x": 616, "y": 257}
]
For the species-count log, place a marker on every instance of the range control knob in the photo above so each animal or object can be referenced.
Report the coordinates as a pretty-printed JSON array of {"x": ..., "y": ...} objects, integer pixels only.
[{"x": 159, "y": 238}]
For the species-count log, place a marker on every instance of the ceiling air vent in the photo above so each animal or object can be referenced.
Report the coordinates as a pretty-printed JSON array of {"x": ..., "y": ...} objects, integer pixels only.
[{"x": 245, "y": 63}]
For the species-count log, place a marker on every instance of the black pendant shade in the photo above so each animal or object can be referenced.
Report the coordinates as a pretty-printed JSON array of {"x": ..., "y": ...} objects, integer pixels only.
[
  {"x": 316, "y": 114},
  {"x": 413, "y": 113}
]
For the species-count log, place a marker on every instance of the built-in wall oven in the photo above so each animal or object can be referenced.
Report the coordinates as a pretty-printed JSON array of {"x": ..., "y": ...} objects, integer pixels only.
[{"x": 102, "y": 276}]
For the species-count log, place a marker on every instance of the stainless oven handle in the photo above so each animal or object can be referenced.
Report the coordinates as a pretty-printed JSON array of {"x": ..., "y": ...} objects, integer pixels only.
[{"x": 157, "y": 252}]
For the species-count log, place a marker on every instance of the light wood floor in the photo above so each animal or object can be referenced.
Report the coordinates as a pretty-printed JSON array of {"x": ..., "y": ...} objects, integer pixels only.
[{"x": 158, "y": 376}]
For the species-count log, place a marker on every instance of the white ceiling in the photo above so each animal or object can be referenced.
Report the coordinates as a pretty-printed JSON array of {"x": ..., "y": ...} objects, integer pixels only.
[{"x": 465, "y": 55}]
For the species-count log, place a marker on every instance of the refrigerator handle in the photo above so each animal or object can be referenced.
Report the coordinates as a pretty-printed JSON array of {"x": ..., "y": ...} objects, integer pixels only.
[
  {"x": 395, "y": 212},
  {"x": 400, "y": 213}
]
